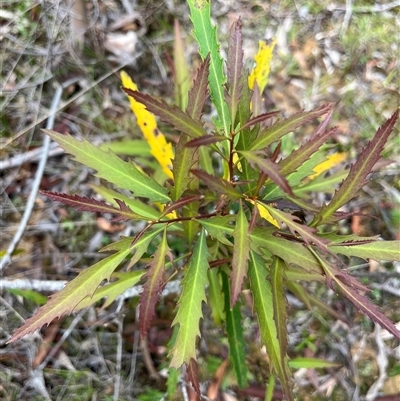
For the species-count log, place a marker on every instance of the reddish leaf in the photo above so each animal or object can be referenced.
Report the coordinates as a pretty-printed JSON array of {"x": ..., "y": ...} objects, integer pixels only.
[
  {"x": 193, "y": 375},
  {"x": 205, "y": 140}
]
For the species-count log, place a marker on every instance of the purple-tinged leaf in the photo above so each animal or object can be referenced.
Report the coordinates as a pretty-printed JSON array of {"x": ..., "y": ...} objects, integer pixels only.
[
  {"x": 300, "y": 155},
  {"x": 192, "y": 375},
  {"x": 278, "y": 279},
  {"x": 307, "y": 234},
  {"x": 258, "y": 119},
  {"x": 93, "y": 205},
  {"x": 256, "y": 100},
  {"x": 356, "y": 178},
  {"x": 361, "y": 302},
  {"x": 181, "y": 203},
  {"x": 270, "y": 168},
  {"x": 280, "y": 128},
  {"x": 323, "y": 124},
  {"x": 217, "y": 184},
  {"x": 153, "y": 285},
  {"x": 240, "y": 254},
  {"x": 199, "y": 92},
  {"x": 234, "y": 68},
  {"x": 169, "y": 114},
  {"x": 205, "y": 140}
]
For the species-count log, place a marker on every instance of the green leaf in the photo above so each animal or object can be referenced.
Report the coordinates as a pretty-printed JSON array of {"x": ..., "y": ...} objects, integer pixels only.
[
  {"x": 128, "y": 147},
  {"x": 125, "y": 280},
  {"x": 378, "y": 250},
  {"x": 215, "y": 296},
  {"x": 278, "y": 279},
  {"x": 153, "y": 285},
  {"x": 311, "y": 363},
  {"x": 237, "y": 345},
  {"x": 206, "y": 37},
  {"x": 240, "y": 255},
  {"x": 280, "y": 128},
  {"x": 30, "y": 295},
  {"x": 217, "y": 227},
  {"x": 349, "y": 287},
  {"x": 263, "y": 302},
  {"x": 65, "y": 301},
  {"x": 111, "y": 168},
  {"x": 190, "y": 304},
  {"x": 173, "y": 115},
  {"x": 356, "y": 178}
]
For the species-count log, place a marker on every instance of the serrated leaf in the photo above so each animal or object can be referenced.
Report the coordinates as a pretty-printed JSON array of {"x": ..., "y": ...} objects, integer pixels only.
[
  {"x": 293, "y": 253},
  {"x": 206, "y": 37},
  {"x": 160, "y": 148},
  {"x": 205, "y": 140},
  {"x": 217, "y": 184},
  {"x": 93, "y": 205},
  {"x": 235, "y": 68},
  {"x": 280, "y": 128},
  {"x": 173, "y": 115},
  {"x": 65, "y": 301},
  {"x": 190, "y": 304},
  {"x": 349, "y": 286},
  {"x": 257, "y": 119},
  {"x": 263, "y": 301},
  {"x": 240, "y": 255},
  {"x": 278, "y": 279},
  {"x": 377, "y": 250},
  {"x": 270, "y": 168},
  {"x": 356, "y": 178},
  {"x": 125, "y": 280},
  {"x": 217, "y": 227},
  {"x": 263, "y": 59},
  {"x": 137, "y": 206},
  {"x": 111, "y": 168},
  {"x": 308, "y": 234},
  {"x": 234, "y": 330},
  {"x": 153, "y": 285}
]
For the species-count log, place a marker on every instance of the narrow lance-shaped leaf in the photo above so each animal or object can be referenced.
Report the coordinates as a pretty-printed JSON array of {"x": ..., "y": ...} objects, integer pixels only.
[
  {"x": 190, "y": 304},
  {"x": 308, "y": 234},
  {"x": 234, "y": 329},
  {"x": 359, "y": 170},
  {"x": 160, "y": 148},
  {"x": 240, "y": 254},
  {"x": 270, "y": 168},
  {"x": 278, "y": 279},
  {"x": 169, "y": 114},
  {"x": 206, "y": 36},
  {"x": 280, "y": 128},
  {"x": 125, "y": 280},
  {"x": 93, "y": 205},
  {"x": 348, "y": 287},
  {"x": 217, "y": 184},
  {"x": 153, "y": 285},
  {"x": 377, "y": 250},
  {"x": 68, "y": 298},
  {"x": 199, "y": 92},
  {"x": 186, "y": 158},
  {"x": 110, "y": 167},
  {"x": 263, "y": 301},
  {"x": 235, "y": 68},
  {"x": 182, "y": 80}
]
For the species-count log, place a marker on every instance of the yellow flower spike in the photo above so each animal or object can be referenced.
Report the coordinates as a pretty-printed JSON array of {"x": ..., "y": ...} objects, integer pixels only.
[
  {"x": 261, "y": 70},
  {"x": 159, "y": 147}
]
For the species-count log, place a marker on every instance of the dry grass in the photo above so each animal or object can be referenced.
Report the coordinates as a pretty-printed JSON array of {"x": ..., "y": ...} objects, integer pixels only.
[{"x": 325, "y": 53}]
